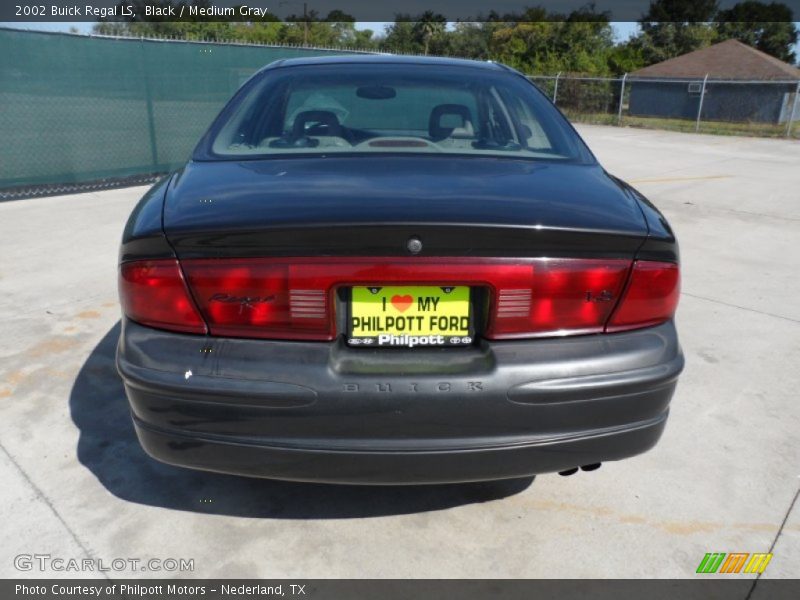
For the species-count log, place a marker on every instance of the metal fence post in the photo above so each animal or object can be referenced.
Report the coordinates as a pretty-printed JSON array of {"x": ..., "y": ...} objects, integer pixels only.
[
  {"x": 555, "y": 87},
  {"x": 700, "y": 106},
  {"x": 794, "y": 111},
  {"x": 151, "y": 126},
  {"x": 621, "y": 98}
]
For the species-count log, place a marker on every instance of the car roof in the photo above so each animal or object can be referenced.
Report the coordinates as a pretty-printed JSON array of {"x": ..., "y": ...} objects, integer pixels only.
[{"x": 371, "y": 59}]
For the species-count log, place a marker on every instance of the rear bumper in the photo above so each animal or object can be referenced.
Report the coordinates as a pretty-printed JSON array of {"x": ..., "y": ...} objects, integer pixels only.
[{"x": 326, "y": 412}]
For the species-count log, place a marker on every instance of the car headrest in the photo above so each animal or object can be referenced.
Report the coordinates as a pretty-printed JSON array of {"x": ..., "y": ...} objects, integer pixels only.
[
  {"x": 320, "y": 118},
  {"x": 450, "y": 120}
]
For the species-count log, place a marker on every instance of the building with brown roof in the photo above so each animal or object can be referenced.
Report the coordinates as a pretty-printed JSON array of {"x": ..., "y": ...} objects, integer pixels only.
[{"x": 742, "y": 84}]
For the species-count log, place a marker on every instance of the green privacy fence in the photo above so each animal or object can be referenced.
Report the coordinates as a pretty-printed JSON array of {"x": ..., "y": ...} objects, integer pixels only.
[{"x": 76, "y": 108}]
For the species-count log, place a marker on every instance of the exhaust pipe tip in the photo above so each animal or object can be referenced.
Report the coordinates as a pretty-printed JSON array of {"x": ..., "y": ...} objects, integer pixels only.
[
  {"x": 592, "y": 467},
  {"x": 568, "y": 472}
]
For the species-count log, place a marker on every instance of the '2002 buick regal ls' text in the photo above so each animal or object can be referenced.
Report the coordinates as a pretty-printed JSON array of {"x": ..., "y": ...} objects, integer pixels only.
[{"x": 380, "y": 269}]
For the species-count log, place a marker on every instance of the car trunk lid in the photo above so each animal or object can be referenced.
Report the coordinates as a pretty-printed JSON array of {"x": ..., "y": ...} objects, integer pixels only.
[{"x": 371, "y": 206}]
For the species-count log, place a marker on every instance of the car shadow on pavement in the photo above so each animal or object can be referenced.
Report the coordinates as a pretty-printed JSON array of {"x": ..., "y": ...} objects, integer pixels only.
[{"x": 108, "y": 447}]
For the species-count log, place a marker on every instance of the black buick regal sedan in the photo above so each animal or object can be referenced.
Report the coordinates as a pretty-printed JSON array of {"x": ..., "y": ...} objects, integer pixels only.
[{"x": 389, "y": 270}]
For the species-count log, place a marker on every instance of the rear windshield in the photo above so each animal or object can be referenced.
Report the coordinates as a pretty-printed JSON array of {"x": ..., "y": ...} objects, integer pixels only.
[{"x": 389, "y": 108}]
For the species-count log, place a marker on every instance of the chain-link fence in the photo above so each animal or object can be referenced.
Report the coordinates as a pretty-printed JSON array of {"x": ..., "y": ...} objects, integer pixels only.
[
  {"x": 758, "y": 108},
  {"x": 77, "y": 109},
  {"x": 83, "y": 112}
]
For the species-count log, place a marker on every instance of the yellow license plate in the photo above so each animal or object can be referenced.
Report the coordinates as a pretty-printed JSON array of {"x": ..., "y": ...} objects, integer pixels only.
[{"x": 410, "y": 316}]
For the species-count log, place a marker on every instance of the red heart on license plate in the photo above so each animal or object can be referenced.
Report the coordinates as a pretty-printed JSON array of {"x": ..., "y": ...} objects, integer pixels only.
[{"x": 402, "y": 303}]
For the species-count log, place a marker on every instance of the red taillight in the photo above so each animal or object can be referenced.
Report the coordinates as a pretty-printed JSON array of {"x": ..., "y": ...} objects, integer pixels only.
[
  {"x": 153, "y": 293},
  {"x": 561, "y": 296},
  {"x": 263, "y": 298},
  {"x": 294, "y": 298},
  {"x": 651, "y": 296}
]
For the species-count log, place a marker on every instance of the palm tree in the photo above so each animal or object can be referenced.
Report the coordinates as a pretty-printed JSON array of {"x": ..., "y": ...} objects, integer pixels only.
[{"x": 428, "y": 27}]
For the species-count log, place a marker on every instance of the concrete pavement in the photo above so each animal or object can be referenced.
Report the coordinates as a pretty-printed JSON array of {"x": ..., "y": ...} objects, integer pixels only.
[{"x": 723, "y": 478}]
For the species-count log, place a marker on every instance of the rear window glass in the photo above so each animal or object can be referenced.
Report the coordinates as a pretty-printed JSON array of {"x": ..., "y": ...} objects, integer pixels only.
[{"x": 390, "y": 108}]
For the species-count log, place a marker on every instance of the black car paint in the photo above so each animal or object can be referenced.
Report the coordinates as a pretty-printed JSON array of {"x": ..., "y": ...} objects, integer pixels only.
[
  {"x": 232, "y": 200},
  {"x": 326, "y": 412},
  {"x": 458, "y": 206}
]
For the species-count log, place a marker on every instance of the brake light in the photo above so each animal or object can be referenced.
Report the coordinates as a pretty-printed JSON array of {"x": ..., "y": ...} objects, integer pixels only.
[
  {"x": 561, "y": 296},
  {"x": 263, "y": 298},
  {"x": 153, "y": 293},
  {"x": 294, "y": 298},
  {"x": 650, "y": 298}
]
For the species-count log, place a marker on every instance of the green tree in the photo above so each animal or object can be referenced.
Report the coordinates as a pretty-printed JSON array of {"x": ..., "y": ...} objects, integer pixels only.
[
  {"x": 429, "y": 28},
  {"x": 417, "y": 35},
  {"x": 625, "y": 58},
  {"x": 364, "y": 38},
  {"x": 538, "y": 42},
  {"x": 768, "y": 27},
  {"x": 258, "y": 32},
  {"x": 336, "y": 29},
  {"x": 401, "y": 36},
  {"x": 471, "y": 40},
  {"x": 681, "y": 11},
  {"x": 674, "y": 27},
  {"x": 216, "y": 28}
]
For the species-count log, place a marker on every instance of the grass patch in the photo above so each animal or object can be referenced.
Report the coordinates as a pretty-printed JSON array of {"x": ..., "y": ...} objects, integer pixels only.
[{"x": 711, "y": 127}]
